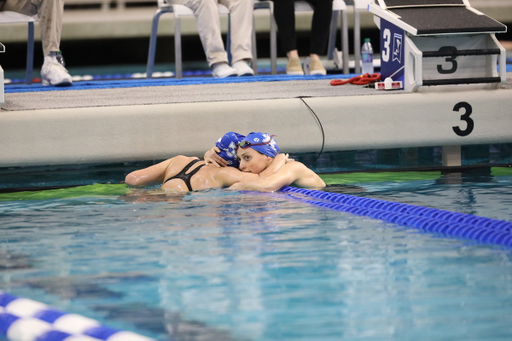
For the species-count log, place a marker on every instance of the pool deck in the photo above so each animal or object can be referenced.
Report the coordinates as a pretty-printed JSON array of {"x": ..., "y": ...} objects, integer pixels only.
[{"x": 98, "y": 122}]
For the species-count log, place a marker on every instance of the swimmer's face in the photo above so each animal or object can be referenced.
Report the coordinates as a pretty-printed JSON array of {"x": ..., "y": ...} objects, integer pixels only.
[{"x": 252, "y": 161}]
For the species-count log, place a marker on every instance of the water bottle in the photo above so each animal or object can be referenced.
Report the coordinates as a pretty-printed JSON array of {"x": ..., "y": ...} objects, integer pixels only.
[{"x": 367, "y": 56}]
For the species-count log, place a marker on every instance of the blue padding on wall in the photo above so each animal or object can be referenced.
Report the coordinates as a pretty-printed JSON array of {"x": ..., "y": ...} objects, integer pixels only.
[{"x": 454, "y": 224}]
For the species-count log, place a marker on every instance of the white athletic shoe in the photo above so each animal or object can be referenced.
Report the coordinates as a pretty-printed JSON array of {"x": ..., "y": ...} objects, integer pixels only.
[
  {"x": 243, "y": 69},
  {"x": 54, "y": 73},
  {"x": 223, "y": 70}
]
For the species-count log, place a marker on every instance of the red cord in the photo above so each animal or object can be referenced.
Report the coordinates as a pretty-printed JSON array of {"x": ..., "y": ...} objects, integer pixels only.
[{"x": 358, "y": 80}]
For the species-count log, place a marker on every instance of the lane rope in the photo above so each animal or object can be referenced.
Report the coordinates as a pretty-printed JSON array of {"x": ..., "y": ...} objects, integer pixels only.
[
  {"x": 454, "y": 224},
  {"x": 22, "y": 319}
]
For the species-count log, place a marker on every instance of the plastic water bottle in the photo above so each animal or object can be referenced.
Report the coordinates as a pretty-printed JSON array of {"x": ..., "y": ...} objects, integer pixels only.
[{"x": 367, "y": 56}]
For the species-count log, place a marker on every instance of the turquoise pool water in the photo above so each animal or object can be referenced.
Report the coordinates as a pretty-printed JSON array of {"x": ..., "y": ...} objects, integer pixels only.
[{"x": 220, "y": 265}]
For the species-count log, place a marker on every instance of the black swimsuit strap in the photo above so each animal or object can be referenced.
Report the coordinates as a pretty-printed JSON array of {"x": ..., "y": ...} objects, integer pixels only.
[
  {"x": 186, "y": 177},
  {"x": 190, "y": 164},
  {"x": 189, "y": 176}
]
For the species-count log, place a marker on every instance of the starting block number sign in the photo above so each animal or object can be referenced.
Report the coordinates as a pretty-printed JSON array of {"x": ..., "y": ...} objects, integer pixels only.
[
  {"x": 456, "y": 57},
  {"x": 391, "y": 51}
]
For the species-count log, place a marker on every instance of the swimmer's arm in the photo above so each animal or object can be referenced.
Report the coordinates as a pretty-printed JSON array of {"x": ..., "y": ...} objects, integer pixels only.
[
  {"x": 287, "y": 175},
  {"x": 212, "y": 157},
  {"x": 229, "y": 175},
  {"x": 153, "y": 175},
  {"x": 279, "y": 161}
]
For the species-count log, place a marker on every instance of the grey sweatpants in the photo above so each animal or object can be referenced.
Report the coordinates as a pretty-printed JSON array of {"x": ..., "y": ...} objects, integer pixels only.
[
  {"x": 49, "y": 13},
  {"x": 208, "y": 25}
]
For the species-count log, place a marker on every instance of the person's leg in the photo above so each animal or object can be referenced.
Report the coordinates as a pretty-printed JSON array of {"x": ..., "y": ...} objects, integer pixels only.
[
  {"x": 319, "y": 34},
  {"x": 284, "y": 13},
  {"x": 241, "y": 14},
  {"x": 208, "y": 26},
  {"x": 49, "y": 13},
  {"x": 320, "y": 26}
]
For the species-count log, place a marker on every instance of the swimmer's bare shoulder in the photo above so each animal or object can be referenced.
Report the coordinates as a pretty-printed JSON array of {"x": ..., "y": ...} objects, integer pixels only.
[
  {"x": 304, "y": 177},
  {"x": 176, "y": 165}
]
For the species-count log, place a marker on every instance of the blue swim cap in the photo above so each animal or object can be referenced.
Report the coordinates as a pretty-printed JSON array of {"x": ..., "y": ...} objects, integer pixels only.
[
  {"x": 261, "y": 142},
  {"x": 228, "y": 145}
]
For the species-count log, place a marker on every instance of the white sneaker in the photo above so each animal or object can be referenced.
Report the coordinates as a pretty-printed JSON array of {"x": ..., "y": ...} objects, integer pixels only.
[
  {"x": 243, "y": 69},
  {"x": 54, "y": 73},
  {"x": 223, "y": 70}
]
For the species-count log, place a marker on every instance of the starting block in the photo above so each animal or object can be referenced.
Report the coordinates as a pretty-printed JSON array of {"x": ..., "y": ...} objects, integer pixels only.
[{"x": 438, "y": 42}]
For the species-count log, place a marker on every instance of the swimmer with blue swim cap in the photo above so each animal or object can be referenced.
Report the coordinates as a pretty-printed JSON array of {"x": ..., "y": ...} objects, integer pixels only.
[
  {"x": 227, "y": 146},
  {"x": 257, "y": 151},
  {"x": 266, "y": 147},
  {"x": 183, "y": 174},
  {"x": 261, "y": 142}
]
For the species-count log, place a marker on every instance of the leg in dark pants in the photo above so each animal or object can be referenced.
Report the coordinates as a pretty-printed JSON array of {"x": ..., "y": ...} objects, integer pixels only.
[
  {"x": 320, "y": 26},
  {"x": 284, "y": 13}
]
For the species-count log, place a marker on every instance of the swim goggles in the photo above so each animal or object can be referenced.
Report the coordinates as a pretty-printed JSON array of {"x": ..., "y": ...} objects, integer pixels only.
[{"x": 246, "y": 144}]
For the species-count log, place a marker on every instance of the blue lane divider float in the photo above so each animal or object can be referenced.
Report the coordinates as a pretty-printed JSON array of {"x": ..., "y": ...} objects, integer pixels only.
[
  {"x": 22, "y": 319},
  {"x": 459, "y": 225}
]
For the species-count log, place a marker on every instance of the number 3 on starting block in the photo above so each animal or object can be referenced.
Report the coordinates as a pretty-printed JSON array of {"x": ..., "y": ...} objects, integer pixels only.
[{"x": 391, "y": 51}]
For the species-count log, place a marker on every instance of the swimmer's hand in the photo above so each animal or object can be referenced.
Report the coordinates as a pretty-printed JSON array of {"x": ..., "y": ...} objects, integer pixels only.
[
  {"x": 279, "y": 161},
  {"x": 212, "y": 157},
  {"x": 283, "y": 158}
]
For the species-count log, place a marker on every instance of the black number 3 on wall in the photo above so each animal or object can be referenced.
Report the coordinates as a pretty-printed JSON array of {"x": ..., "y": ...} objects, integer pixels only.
[{"x": 470, "y": 124}]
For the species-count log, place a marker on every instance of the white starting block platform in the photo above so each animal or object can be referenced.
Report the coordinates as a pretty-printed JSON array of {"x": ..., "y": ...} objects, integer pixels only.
[{"x": 426, "y": 43}]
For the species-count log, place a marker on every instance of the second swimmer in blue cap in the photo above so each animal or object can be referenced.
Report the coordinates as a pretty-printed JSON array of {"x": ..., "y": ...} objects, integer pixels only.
[{"x": 256, "y": 153}]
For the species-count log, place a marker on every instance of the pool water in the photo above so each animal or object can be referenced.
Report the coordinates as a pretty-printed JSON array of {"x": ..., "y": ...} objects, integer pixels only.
[{"x": 221, "y": 265}]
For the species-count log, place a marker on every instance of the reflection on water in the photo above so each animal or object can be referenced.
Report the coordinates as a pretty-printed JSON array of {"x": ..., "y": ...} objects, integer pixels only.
[
  {"x": 478, "y": 175},
  {"x": 344, "y": 189},
  {"x": 221, "y": 265}
]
